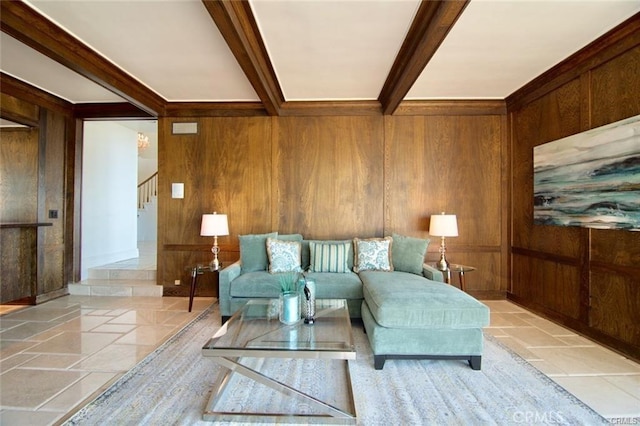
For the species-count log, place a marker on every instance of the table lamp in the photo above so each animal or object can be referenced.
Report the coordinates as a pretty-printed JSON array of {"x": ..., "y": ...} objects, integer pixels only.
[
  {"x": 214, "y": 225},
  {"x": 443, "y": 225}
]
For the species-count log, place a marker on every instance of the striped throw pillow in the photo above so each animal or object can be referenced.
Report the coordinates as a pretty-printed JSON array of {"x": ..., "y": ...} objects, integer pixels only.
[{"x": 327, "y": 257}]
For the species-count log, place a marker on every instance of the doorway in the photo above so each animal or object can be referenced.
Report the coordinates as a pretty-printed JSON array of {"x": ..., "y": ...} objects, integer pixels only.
[{"x": 114, "y": 163}]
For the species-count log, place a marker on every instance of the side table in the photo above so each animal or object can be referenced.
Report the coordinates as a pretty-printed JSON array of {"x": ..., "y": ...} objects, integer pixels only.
[
  {"x": 461, "y": 270},
  {"x": 195, "y": 271}
]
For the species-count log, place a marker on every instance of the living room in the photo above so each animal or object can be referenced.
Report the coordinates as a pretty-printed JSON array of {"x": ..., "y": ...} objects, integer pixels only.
[{"x": 330, "y": 169}]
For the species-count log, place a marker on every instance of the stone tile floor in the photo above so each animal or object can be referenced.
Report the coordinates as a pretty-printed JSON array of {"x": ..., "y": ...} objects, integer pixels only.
[
  {"x": 603, "y": 379},
  {"x": 57, "y": 355}
]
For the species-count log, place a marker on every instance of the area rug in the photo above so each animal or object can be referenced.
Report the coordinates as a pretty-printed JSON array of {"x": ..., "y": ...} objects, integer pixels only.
[{"x": 172, "y": 386}]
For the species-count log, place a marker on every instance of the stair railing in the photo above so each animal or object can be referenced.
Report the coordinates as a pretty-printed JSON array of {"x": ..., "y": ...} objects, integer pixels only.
[{"x": 147, "y": 189}]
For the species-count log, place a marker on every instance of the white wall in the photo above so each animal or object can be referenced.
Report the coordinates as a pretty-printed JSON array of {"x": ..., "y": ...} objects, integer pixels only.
[
  {"x": 148, "y": 221},
  {"x": 109, "y": 195}
]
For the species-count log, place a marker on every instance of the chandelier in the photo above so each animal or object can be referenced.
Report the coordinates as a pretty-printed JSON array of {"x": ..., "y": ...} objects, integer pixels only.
[{"x": 143, "y": 141}]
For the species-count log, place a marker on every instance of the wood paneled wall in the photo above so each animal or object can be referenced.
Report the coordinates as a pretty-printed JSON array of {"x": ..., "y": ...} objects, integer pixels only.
[
  {"x": 35, "y": 174},
  {"x": 587, "y": 279},
  {"x": 336, "y": 177}
]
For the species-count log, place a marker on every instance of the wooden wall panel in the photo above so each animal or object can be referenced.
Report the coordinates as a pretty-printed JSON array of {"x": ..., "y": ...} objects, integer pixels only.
[
  {"x": 328, "y": 176},
  {"x": 614, "y": 94},
  {"x": 51, "y": 278},
  {"x": 35, "y": 179},
  {"x": 551, "y": 117},
  {"x": 452, "y": 164},
  {"x": 586, "y": 279},
  {"x": 615, "y": 306},
  {"x": 334, "y": 177},
  {"x": 551, "y": 286},
  {"x": 19, "y": 175},
  {"x": 18, "y": 262},
  {"x": 226, "y": 168}
]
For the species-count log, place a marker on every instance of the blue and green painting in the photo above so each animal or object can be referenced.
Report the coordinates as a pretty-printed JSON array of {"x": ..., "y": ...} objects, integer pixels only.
[{"x": 591, "y": 179}]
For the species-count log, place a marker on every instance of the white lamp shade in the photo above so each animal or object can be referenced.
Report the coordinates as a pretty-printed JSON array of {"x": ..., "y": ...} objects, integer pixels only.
[
  {"x": 214, "y": 225},
  {"x": 443, "y": 225}
]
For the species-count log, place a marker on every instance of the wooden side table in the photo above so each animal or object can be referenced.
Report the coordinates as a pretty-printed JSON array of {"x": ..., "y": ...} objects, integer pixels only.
[
  {"x": 461, "y": 270},
  {"x": 195, "y": 271}
]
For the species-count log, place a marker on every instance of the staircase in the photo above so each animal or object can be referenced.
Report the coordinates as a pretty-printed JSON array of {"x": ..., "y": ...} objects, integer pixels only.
[{"x": 132, "y": 277}]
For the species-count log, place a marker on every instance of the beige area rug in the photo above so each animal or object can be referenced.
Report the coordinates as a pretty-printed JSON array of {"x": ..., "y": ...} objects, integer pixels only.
[{"x": 172, "y": 385}]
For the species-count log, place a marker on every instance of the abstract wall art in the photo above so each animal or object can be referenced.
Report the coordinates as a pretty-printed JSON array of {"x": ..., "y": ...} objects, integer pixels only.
[{"x": 591, "y": 179}]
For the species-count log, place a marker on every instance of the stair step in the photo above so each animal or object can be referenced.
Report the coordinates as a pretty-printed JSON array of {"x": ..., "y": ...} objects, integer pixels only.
[
  {"x": 116, "y": 287},
  {"x": 122, "y": 274}
]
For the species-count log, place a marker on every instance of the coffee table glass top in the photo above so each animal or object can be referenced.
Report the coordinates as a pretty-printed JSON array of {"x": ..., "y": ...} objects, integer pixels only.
[{"x": 256, "y": 328}]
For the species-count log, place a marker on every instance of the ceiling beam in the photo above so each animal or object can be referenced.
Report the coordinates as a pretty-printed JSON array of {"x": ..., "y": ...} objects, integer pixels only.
[
  {"x": 109, "y": 111},
  {"x": 237, "y": 25},
  {"x": 215, "y": 109},
  {"x": 20, "y": 90},
  {"x": 433, "y": 21},
  {"x": 31, "y": 28}
]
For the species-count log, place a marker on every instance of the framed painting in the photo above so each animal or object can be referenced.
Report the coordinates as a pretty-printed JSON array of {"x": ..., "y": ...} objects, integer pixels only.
[{"x": 591, "y": 179}]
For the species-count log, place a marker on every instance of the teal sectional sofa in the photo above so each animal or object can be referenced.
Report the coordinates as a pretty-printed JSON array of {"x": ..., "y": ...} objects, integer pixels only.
[{"x": 406, "y": 308}]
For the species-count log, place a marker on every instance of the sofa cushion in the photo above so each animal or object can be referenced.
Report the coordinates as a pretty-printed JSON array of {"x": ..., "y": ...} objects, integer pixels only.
[
  {"x": 336, "y": 285},
  {"x": 372, "y": 254},
  {"x": 284, "y": 256},
  {"x": 329, "y": 256},
  {"x": 253, "y": 251},
  {"x": 408, "y": 253},
  {"x": 401, "y": 299},
  {"x": 256, "y": 284}
]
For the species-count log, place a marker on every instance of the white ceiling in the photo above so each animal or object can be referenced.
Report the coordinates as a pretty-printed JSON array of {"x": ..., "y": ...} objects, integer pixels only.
[{"x": 320, "y": 49}]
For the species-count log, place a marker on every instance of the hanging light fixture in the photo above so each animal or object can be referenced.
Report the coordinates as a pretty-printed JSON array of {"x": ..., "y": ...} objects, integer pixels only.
[{"x": 143, "y": 141}]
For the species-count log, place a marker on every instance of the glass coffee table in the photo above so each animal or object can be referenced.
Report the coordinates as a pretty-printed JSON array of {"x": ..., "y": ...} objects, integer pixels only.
[{"x": 254, "y": 335}]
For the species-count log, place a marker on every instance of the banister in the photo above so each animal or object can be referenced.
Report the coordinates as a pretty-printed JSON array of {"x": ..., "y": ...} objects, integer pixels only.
[{"x": 147, "y": 189}]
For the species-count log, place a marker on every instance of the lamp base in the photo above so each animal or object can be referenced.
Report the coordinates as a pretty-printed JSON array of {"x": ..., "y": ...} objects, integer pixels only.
[
  {"x": 214, "y": 265},
  {"x": 442, "y": 264}
]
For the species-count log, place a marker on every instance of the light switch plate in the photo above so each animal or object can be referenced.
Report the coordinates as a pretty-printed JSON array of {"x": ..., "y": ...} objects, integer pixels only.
[{"x": 177, "y": 190}]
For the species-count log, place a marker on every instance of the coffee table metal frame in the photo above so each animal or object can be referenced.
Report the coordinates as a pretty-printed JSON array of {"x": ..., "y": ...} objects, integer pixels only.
[{"x": 236, "y": 340}]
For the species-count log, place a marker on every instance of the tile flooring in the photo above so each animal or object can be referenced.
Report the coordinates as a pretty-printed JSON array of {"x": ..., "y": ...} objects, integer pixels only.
[
  {"x": 58, "y": 355},
  {"x": 603, "y": 379}
]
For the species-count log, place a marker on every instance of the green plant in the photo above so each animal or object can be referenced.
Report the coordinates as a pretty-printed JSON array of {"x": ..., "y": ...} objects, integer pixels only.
[{"x": 289, "y": 282}]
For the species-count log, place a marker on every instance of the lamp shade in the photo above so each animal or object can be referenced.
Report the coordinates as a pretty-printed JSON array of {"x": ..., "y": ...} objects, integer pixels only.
[
  {"x": 214, "y": 225},
  {"x": 443, "y": 225}
]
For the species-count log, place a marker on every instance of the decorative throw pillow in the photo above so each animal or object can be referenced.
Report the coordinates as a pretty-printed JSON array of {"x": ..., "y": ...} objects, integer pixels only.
[
  {"x": 253, "y": 251},
  {"x": 329, "y": 257},
  {"x": 408, "y": 253},
  {"x": 373, "y": 254},
  {"x": 284, "y": 256}
]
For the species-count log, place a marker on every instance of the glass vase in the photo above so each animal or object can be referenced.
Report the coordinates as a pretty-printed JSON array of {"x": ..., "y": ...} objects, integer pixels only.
[{"x": 289, "y": 307}]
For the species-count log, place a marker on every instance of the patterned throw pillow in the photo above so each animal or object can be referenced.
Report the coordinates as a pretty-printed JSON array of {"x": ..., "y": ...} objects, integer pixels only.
[
  {"x": 373, "y": 254},
  {"x": 284, "y": 256},
  {"x": 329, "y": 257}
]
